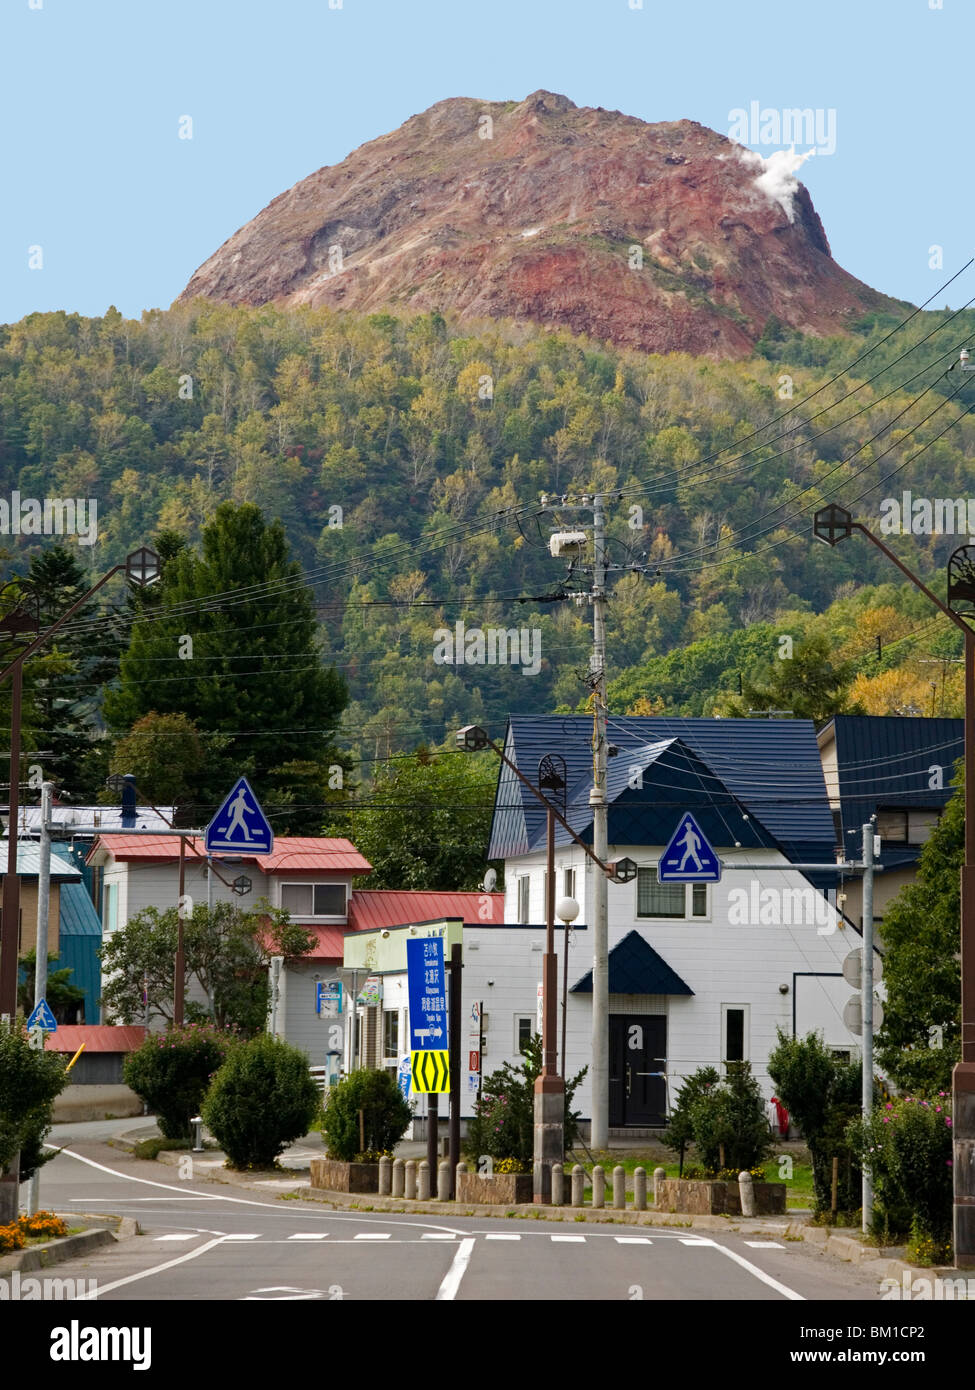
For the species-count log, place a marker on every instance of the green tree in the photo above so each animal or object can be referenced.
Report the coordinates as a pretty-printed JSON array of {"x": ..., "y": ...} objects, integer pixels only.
[
  {"x": 164, "y": 754},
  {"x": 30, "y": 1081},
  {"x": 426, "y": 821},
  {"x": 728, "y": 1122},
  {"x": 172, "y": 1071},
  {"x": 63, "y": 998},
  {"x": 822, "y": 1095},
  {"x": 680, "y": 1131},
  {"x": 227, "y": 951},
  {"x": 808, "y": 682},
  {"x": 503, "y": 1126},
  {"x": 919, "y": 1042},
  {"x": 236, "y": 668}
]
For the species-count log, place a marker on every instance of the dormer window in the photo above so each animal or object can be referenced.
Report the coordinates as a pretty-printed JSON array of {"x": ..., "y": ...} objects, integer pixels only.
[{"x": 314, "y": 899}]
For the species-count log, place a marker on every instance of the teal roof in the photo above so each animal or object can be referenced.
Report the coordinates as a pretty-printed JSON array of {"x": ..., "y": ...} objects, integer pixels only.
[{"x": 78, "y": 915}]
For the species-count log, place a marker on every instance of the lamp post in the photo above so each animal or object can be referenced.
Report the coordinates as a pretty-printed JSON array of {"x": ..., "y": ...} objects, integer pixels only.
[
  {"x": 549, "y": 1146},
  {"x": 141, "y": 569},
  {"x": 833, "y": 524}
]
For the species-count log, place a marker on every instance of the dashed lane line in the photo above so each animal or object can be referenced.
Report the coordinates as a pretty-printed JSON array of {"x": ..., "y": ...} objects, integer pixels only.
[{"x": 764, "y": 1245}]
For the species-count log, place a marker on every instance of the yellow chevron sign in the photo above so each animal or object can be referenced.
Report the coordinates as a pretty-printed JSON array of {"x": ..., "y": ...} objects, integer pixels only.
[{"x": 431, "y": 1071}]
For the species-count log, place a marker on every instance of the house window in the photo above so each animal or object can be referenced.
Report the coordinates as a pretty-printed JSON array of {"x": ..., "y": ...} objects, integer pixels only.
[
  {"x": 524, "y": 1030},
  {"x": 907, "y": 826},
  {"x": 568, "y": 883},
  {"x": 111, "y": 907},
  {"x": 391, "y": 1033},
  {"x": 524, "y": 884},
  {"x": 655, "y": 899},
  {"x": 734, "y": 1032},
  {"x": 699, "y": 900},
  {"x": 313, "y": 899}
]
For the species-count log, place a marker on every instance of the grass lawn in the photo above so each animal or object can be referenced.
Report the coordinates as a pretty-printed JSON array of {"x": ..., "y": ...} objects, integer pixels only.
[{"x": 799, "y": 1188}]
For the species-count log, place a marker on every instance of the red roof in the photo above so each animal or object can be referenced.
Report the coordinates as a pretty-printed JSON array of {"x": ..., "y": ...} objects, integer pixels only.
[
  {"x": 382, "y": 907},
  {"x": 291, "y": 853},
  {"x": 96, "y": 1037},
  {"x": 329, "y": 945}
]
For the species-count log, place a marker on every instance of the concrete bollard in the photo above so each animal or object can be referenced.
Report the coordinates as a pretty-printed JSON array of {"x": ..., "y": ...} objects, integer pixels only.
[
  {"x": 659, "y": 1175},
  {"x": 619, "y": 1186},
  {"x": 461, "y": 1169},
  {"x": 578, "y": 1185},
  {"x": 423, "y": 1187},
  {"x": 399, "y": 1177},
  {"x": 558, "y": 1185},
  {"x": 640, "y": 1189},
  {"x": 746, "y": 1189},
  {"x": 598, "y": 1186},
  {"x": 409, "y": 1180},
  {"x": 443, "y": 1182},
  {"x": 385, "y": 1176}
]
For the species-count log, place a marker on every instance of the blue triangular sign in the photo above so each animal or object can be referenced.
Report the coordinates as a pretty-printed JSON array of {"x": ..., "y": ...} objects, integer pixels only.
[
  {"x": 240, "y": 826},
  {"x": 42, "y": 1018},
  {"x": 688, "y": 858}
]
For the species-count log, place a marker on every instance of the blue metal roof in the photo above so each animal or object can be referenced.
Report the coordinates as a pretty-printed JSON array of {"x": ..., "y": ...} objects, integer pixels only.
[
  {"x": 886, "y": 761},
  {"x": 78, "y": 915},
  {"x": 754, "y": 782},
  {"x": 636, "y": 968}
]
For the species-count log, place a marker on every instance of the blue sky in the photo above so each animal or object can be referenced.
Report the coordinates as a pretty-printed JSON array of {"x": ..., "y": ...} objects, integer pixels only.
[{"x": 94, "y": 171}]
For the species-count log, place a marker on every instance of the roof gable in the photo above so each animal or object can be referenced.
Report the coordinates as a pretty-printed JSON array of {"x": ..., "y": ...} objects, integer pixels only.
[{"x": 636, "y": 968}]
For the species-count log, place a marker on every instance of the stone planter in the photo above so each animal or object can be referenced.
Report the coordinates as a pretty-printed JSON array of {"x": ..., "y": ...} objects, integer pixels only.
[
  {"x": 701, "y": 1197},
  {"x": 501, "y": 1189},
  {"x": 333, "y": 1175}
]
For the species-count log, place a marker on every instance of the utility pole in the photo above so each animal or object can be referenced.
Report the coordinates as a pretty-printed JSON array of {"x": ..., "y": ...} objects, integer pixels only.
[
  {"x": 599, "y": 1137},
  {"x": 866, "y": 1010},
  {"x": 43, "y": 895}
]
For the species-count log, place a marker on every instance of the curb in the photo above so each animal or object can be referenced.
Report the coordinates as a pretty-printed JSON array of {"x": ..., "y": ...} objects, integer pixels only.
[
  {"x": 69, "y": 1247},
  {"x": 841, "y": 1247}
]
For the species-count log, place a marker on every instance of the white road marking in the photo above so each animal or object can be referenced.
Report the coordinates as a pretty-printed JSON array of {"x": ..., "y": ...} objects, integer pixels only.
[
  {"x": 633, "y": 1240},
  {"x": 502, "y": 1237},
  {"x": 108, "y": 1201},
  {"x": 308, "y": 1235},
  {"x": 451, "y": 1281},
  {"x": 764, "y": 1244},
  {"x": 760, "y": 1274},
  {"x": 575, "y": 1239},
  {"x": 438, "y": 1235},
  {"x": 373, "y": 1235},
  {"x": 178, "y": 1236},
  {"x": 287, "y": 1294},
  {"x": 238, "y": 1236},
  {"x": 222, "y": 1196},
  {"x": 693, "y": 1240},
  {"x": 156, "y": 1269}
]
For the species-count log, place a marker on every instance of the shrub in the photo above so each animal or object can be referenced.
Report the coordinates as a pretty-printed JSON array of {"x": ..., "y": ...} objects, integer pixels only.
[
  {"x": 30, "y": 1081},
  {"x": 822, "y": 1095},
  {"x": 11, "y": 1238},
  {"x": 728, "y": 1122},
  {"x": 42, "y": 1223},
  {"x": 385, "y": 1115},
  {"x": 261, "y": 1099},
  {"x": 679, "y": 1133},
  {"x": 504, "y": 1118},
  {"x": 908, "y": 1145},
  {"x": 172, "y": 1071}
]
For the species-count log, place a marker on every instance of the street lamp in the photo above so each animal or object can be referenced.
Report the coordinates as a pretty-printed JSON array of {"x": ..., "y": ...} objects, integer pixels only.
[
  {"x": 549, "y": 1145},
  {"x": 833, "y": 524},
  {"x": 141, "y": 568}
]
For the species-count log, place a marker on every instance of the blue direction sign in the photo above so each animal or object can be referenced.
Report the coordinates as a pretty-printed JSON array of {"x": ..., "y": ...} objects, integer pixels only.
[
  {"x": 688, "y": 858},
  {"x": 240, "y": 824},
  {"x": 42, "y": 1018},
  {"x": 404, "y": 1078},
  {"x": 427, "y": 981}
]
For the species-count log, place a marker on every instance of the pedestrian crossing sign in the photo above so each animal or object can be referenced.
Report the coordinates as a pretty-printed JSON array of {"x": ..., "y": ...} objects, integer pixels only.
[
  {"x": 688, "y": 858},
  {"x": 240, "y": 826}
]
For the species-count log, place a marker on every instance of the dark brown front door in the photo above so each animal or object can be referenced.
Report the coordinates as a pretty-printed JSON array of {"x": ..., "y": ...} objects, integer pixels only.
[{"x": 637, "y": 1066}]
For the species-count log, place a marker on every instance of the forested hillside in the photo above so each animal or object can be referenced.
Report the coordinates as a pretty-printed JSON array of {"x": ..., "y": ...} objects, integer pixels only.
[{"x": 405, "y": 460}]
